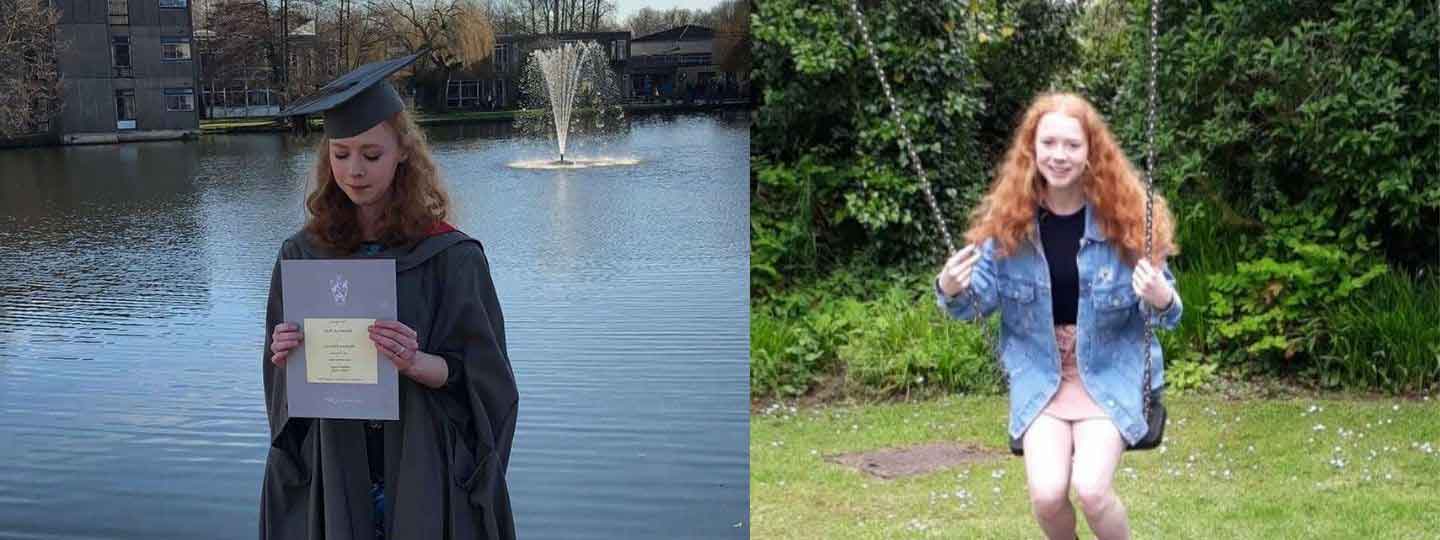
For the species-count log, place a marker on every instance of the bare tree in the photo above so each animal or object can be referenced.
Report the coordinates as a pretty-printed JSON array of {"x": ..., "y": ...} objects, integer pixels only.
[
  {"x": 732, "y": 35},
  {"x": 241, "y": 43},
  {"x": 554, "y": 16},
  {"x": 30, "y": 86},
  {"x": 346, "y": 30},
  {"x": 272, "y": 44},
  {"x": 346, "y": 26},
  {"x": 647, "y": 20},
  {"x": 457, "y": 32},
  {"x": 200, "y": 13}
]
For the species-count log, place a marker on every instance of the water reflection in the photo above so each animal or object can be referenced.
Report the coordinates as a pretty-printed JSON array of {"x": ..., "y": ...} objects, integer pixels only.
[{"x": 573, "y": 163}]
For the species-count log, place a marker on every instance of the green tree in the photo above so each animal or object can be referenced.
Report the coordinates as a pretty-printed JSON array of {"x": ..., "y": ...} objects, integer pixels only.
[{"x": 830, "y": 180}]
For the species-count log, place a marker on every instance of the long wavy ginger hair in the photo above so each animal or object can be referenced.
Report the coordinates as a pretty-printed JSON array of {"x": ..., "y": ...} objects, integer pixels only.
[
  {"x": 416, "y": 200},
  {"x": 1113, "y": 187}
]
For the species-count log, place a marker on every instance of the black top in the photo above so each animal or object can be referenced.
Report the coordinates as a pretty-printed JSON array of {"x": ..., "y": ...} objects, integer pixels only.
[
  {"x": 375, "y": 430},
  {"x": 1061, "y": 237}
]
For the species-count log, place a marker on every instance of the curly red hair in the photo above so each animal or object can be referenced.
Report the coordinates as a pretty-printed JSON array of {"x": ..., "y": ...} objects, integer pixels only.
[
  {"x": 417, "y": 198},
  {"x": 1111, "y": 184}
]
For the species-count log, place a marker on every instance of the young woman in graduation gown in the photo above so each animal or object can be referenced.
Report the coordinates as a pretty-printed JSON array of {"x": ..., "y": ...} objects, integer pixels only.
[{"x": 439, "y": 471}]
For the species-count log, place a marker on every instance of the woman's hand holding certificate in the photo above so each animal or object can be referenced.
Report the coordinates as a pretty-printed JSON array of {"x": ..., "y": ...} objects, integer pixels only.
[
  {"x": 394, "y": 339},
  {"x": 284, "y": 338},
  {"x": 400, "y": 344},
  {"x": 397, "y": 341}
]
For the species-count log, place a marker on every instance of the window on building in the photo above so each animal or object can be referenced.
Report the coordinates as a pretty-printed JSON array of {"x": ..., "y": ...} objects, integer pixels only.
[
  {"x": 175, "y": 49},
  {"x": 179, "y": 99},
  {"x": 502, "y": 57},
  {"x": 120, "y": 49},
  {"x": 694, "y": 59},
  {"x": 618, "y": 49},
  {"x": 464, "y": 94},
  {"x": 172, "y": 4},
  {"x": 119, "y": 11},
  {"x": 125, "y": 109}
]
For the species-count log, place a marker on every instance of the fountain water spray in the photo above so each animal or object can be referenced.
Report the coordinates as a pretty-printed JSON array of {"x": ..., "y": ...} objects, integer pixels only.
[
  {"x": 575, "y": 88},
  {"x": 562, "y": 67}
]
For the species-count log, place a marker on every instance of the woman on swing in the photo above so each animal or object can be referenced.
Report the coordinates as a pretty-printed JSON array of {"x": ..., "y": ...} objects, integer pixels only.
[{"x": 1061, "y": 238}]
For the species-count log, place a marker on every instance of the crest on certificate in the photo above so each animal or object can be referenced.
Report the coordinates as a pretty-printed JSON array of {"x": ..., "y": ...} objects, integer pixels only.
[{"x": 339, "y": 289}]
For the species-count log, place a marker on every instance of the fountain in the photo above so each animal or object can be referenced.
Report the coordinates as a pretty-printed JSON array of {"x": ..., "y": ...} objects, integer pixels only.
[
  {"x": 561, "y": 67},
  {"x": 563, "y": 81}
]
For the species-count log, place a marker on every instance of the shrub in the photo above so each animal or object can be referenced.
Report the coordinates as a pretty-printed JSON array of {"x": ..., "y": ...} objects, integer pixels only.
[
  {"x": 831, "y": 182},
  {"x": 1303, "y": 107}
]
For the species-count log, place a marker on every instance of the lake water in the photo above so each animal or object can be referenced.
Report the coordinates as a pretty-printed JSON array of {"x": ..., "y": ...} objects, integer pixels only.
[{"x": 132, "y": 287}]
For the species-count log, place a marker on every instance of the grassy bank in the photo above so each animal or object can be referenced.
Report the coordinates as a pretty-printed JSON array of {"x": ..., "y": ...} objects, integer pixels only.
[
  {"x": 1229, "y": 469},
  {"x": 265, "y": 124},
  {"x": 271, "y": 124}
]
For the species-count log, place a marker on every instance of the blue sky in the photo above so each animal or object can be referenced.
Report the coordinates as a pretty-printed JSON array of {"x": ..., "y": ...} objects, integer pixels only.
[{"x": 623, "y": 8}]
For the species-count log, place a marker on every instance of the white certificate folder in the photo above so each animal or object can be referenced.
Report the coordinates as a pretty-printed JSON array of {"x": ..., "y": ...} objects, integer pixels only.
[{"x": 336, "y": 378}]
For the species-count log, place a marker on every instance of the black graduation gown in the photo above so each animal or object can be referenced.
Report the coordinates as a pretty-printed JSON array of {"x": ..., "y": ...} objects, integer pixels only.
[{"x": 445, "y": 459}]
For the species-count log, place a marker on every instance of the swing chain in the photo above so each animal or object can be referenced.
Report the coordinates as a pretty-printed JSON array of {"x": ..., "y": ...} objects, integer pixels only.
[
  {"x": 904, "y": 130},
  {"x": 990, "y": 337},
  {"x": 1150, "y": 192}
]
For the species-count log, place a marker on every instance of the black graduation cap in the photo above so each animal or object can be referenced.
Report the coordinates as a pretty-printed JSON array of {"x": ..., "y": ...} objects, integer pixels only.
[{"x": 357, "y": 101}]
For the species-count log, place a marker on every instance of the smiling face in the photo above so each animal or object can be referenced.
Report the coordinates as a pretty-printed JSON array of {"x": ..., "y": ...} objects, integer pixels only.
[
  {"x": 364, "y": 165},
  {"x": 1060, "y": 149}
]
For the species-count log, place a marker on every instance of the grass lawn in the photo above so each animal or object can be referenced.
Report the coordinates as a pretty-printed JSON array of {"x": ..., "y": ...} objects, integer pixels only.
[
  {"x": 467, "y": 116},
  {"x": 1260, "y": 469},
  {"x": 226, "y": 125}
]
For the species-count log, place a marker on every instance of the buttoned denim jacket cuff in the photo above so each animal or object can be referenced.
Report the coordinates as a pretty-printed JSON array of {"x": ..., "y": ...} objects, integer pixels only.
[
  {"x": 942, "y": 299},
  {"x": 952, "y": 303},
  {"x": 1163, "y": 318}
]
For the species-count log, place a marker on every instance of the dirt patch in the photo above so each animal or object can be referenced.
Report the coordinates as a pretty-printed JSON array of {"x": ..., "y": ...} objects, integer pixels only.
[
  {"x": 892, "y": 463},
  {"x": 833, "y": 390},
  {"x": 827, "y": 390}
]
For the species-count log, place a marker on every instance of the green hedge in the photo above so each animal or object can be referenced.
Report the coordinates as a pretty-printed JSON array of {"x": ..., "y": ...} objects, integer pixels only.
[
  {"x": 873, "y": 334},
  {"x": 1297, "y": 145},
  {"x": 884, "y": 337},
  {"x": 1304, "y": 107},
  {"x": 830, "y": 181}
]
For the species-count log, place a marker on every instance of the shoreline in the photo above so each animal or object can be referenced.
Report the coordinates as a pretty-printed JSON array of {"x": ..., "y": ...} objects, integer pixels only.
[{"x": 270, "y": 124}]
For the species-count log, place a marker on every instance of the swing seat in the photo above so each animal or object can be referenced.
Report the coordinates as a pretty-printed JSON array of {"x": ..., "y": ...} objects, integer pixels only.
[{"x": 1154, "y": 433}]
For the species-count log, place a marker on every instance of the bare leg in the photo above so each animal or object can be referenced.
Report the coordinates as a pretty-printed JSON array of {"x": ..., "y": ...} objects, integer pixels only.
[
  {"x": 1098, "y": 447},
  {"x": 1047, "y": 472}
]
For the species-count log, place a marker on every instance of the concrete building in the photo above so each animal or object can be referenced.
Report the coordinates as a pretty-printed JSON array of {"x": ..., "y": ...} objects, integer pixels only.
[
  {"x": 128, "y": 71},
  {"x": 679, "y": 64},
  {"x": 496, "y": 85}
]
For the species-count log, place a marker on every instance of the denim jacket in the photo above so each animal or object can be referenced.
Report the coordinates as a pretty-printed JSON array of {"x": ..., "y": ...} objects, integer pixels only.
[{"x": 1109, "y": 327}]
